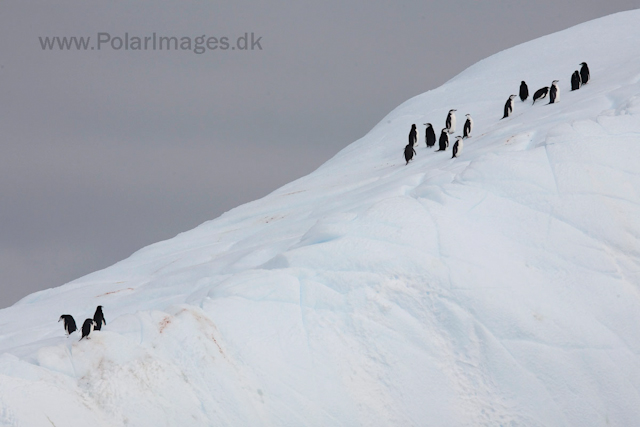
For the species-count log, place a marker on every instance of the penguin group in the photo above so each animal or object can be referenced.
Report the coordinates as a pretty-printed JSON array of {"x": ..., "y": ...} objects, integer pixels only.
[
  {"x": 89, "y": 325},
  {"x": 443, "y": 140},
  {"x": 578, "y": 79},
  {"x": 409, "y": 150}
]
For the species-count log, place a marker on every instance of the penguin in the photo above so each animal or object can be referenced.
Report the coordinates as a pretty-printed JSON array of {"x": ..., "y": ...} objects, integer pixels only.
[
  {"x": 409, "y": 152},
  {"x": 87, "y": 327},
  {"x": 554, "y": 92},
  {"x": 524, "y": 91},
  {"x": 585, "y": 76},
  {"x": 451, "y": 121},
  {"x": 429, "y": 135},
  {"x": 468, "y": 126},
  {"x": 69, "y": 323},
  {"x": 98, "y": 317},
  {"x": 508, "y": 106},
  {"x": 444, "y": 140},
  {"x": 575, "y": 80},
  {"x": 540, "y": 93},
  {"x": 457, "y": 147},
  {"x": 413, "y": 135}
]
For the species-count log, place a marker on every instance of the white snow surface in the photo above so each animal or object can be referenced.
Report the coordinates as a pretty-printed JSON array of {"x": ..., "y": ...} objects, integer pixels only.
[{"x": 500, "y": 288}]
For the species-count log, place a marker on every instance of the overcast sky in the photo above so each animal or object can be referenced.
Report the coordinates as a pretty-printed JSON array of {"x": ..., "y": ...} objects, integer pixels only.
[{"x": 103, "y": 152}]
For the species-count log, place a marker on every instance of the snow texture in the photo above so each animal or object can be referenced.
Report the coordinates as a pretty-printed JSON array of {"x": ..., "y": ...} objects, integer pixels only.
[{"x": 500, "y": 288}]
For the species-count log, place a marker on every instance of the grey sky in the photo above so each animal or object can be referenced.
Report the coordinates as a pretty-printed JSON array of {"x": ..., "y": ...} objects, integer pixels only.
[{"x": 104, "y": 152}]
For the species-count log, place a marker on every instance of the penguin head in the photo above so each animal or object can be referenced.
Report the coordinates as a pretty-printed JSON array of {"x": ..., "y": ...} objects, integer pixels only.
[
  {"x": 512, "y": 96},
  {"x": 583, "y": 63},
  {"x": 61, "y": 317},
  {"x": 554, "y": 82},
  {"x": 468, "y": 115},
  {"x": 522, "y": 83},
  {"x": 458, "y": 138},
  {"x": 451, "y": 111},
  {"x": 413, "y": 126},
  {"x": 427, "y": 124}
]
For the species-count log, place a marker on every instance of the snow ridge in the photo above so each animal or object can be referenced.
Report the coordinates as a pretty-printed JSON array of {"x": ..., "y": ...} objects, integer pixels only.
[{"x": 497, "y": 288}]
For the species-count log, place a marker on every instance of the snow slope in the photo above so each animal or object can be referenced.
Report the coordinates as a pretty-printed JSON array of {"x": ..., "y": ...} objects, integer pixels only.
[{"x": 499, "y": 288}]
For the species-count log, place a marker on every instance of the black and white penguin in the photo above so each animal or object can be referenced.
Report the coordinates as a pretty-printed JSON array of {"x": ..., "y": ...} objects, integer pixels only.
[
  {"x": 540, "y": 93},
  {"x": 585, "y": 76},
  {"x": 409, "y": 152},
  {"x": 457, "y": 147},
  {"x": 87, "y": 327},
  {"x": 554, "y": 92},
  {"x": 444, "y": 140},
  {"x": 451, "y": 121},
  {"x": 575, "y": 80},
  {"x": 468, "y": 126},
  {"x": 413, "y": 136},
  {"x": 524, "y": 91},
  {"x": 98, "y": 317},
  {"x": 429, "y": 135},
  {"x": 69, "y": 323},
  {"x": 508, "y": 106}
]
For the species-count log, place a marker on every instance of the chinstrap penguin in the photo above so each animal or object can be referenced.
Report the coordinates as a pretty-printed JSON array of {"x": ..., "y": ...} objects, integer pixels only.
[
  {"x": 409, "y": 152},
  {"x": 413, "y": 136},
  {"x": 69, "y": 323},
  {"x": 443, "y": 142},
  {"x": 429, "y": 135},
  {"x": 585, "y": 76},
  {"x": 451, "y": 121},
  {"x": 508, "y": 106},
  {"x": 575, "y": 80},
  {"x": 87, "y": 327},
  {"x": 554, "y": 92},
  {"x": 540, "y": 94},
  {"x": 524, "y": 91},
  {"x": 457, "y": 147},
  {"x": 468, "y": 127},
  {"x": 98, "y": 317}
]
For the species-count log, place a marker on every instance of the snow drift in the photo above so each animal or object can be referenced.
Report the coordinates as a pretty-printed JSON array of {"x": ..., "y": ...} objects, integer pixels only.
[{"x": 499, "y": 288}]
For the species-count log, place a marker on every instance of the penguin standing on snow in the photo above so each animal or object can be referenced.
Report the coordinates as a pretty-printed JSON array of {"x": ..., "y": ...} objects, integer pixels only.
[
  {"x": 554, "y": 93},
  {"x": 444, "y": 140},
  {"x": 98, "y": 317},
  {"x": 429, "y": 135},
  {"x": 451, "y": 121},
  {"x": 508, "y": 106},
  {"x": 540, "y": 93},
  {"x": 457, "y": 147},
  {"x": 524, "y": 91},
  {"x": 468, "y": 126},
  {"x": 413, "y": 136},
  {"x": 87, "y": 327},
  {"x": 69, "y": 323},
  {"x": 575, "y": 80},
  {"x": 585, "y": 76},
  {"x": 409, "y": 152}
]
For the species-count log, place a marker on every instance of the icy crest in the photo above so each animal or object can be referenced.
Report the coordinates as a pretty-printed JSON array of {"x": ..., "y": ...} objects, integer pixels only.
[{"x": 498, "y": 288}]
